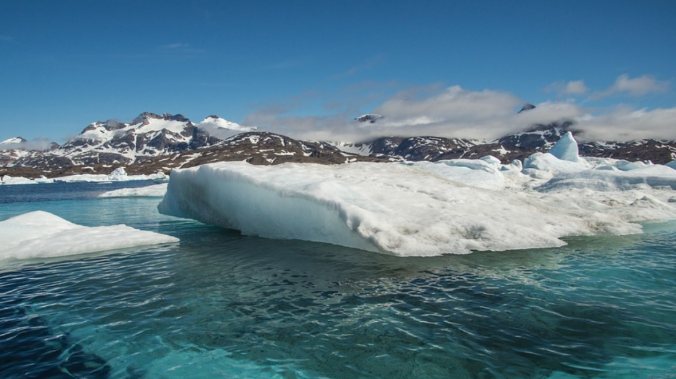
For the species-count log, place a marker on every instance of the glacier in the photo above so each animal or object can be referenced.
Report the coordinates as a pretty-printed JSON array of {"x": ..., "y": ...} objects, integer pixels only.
[
  {"x": 41, "y": 234},
  {"x": 424, "y": 208}
]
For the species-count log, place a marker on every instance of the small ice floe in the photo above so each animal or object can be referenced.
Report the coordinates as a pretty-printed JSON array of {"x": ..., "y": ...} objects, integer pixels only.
[
  {"x": 157, "y": 190},
  {"x": 44, "y": 235},
  {"x": 118, "y": 175}
]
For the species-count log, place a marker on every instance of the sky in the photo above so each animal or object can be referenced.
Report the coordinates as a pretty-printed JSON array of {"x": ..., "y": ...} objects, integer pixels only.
[{"x": 306, "y": 69}]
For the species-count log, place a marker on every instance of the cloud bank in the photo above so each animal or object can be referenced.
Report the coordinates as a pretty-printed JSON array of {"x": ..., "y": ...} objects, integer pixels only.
[
  {"x": 455, "y": 112},
  {"x": 626, "y": 124}
]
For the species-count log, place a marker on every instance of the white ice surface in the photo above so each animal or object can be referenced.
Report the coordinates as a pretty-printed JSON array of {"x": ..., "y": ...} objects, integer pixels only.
[
  {"x": 6, "y": 179},
  {"x": 475, "y": 172},
  {"x": 157, "y": 190},
  {"x": 604, "y": 179},
  {"x": 115, "y": 176},
  {"x": 44, "y": 235},
  {"x": 420, "y": 209}
]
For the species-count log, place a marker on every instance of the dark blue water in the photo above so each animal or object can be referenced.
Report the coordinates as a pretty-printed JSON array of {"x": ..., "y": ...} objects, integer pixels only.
[{"x": 220, "y": 304}]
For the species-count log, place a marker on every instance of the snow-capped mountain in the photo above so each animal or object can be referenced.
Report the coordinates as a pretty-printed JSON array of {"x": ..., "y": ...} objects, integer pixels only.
[
  {"x": 114, "y": 143},
  {"x": 12, "y": 141},
  {"x": 16, "y": 148},
  {"x": 149, "y": 135},
  {"x": 153, "y": 142}
]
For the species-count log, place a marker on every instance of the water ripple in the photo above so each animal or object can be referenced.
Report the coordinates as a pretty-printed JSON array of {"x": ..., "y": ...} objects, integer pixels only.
[{"x": 225, "y": 305}]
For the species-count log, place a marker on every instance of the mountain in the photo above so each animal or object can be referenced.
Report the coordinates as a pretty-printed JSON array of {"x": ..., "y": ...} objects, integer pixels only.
[
  {"x": 149, "y": 135},
  {"x": 259, "y": 148},
  {"x": 538, "y": 138},
  {"x": 112, "y": 143},
  {"x": 153, "y": 142}
]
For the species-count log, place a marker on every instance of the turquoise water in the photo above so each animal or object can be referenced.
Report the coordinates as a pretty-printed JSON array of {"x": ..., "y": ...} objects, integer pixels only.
[{"x": 223, "y": 305}]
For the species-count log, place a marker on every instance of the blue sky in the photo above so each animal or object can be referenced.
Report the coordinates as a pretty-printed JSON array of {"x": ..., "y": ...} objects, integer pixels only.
[{"x": 306, "y": 68}]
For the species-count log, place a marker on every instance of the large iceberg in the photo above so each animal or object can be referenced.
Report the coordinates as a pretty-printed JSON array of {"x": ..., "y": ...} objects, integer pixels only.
[
  {"x": 416, "y": 209},
  {"x": 44, "y": 235}
]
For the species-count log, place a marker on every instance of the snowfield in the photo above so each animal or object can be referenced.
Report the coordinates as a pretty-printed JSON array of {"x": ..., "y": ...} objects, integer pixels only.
[
  {"x": 44, "y": 235},
  {"x": 428, "y": 209}
]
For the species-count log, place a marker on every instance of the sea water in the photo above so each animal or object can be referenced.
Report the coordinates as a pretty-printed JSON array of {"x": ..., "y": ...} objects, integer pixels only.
[{"x": 223, "y": 305}]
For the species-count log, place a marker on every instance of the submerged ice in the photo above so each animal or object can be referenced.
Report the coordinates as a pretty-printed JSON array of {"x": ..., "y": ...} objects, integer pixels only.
[
  {"x": 44, "y": 235},
  {"x": 423, "y": 208}
]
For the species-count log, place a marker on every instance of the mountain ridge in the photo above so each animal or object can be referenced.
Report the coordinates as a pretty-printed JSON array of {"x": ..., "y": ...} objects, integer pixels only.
[{"x": 154, "y": 142}]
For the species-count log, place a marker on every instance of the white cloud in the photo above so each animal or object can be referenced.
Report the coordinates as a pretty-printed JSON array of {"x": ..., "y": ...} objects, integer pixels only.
[
  {"x": 221, "y": 128},
  {"x": 573, "y": 87},
  {"x": 176, "y": 46},
  {"x": 452, "y": 112},
  {"x": 423, "y": 111},
  {"x": 624, "y": 123},
  {"x": 640, "y": 86},
  {"x": 455, "y": 112},
  {"x": 367, "y": 65}
]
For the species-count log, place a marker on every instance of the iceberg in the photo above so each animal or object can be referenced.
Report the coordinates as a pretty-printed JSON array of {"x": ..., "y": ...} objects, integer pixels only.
[
  {"x": 566, "y": 148},
  {"x": 9, "y": 180},
  {"x": 421, "y": 209},
  {"x": 41, "y": 234},
  {"x": 540, "y": 163},
  {"x": 157, "y": 190},
  {"x": 118, "y": 175},
  {"x": 672, "y": 164}
]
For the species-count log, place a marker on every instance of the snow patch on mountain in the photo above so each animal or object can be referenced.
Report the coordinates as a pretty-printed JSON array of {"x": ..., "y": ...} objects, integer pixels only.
[
  {"x": 222, "y": 128},
  {"x": 11, "y": 141}
]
